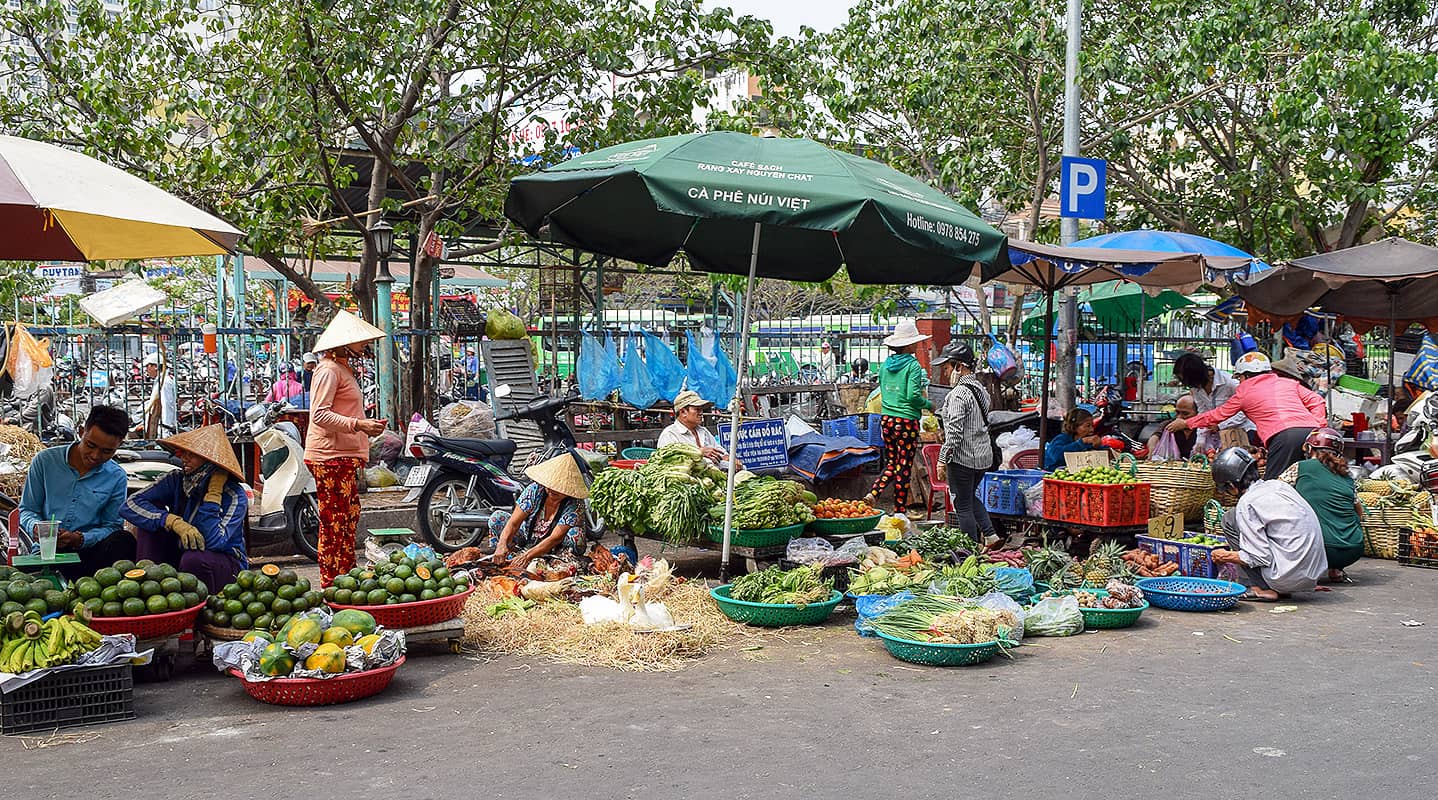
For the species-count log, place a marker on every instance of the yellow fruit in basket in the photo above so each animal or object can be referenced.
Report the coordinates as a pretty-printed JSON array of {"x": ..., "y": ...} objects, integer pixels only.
[
  {"x": 339, "y": 636},
  {"x": 367, "y": 643},
  {"x": 329, "y": 658},
  {"x": 303, "y": 630}
]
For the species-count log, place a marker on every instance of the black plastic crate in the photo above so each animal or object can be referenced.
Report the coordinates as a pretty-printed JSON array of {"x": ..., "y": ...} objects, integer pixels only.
[
  {"x": 86, "y": 696},
  {"x": 462, "y": 317},
  {"x": 1405, "y": 552}
]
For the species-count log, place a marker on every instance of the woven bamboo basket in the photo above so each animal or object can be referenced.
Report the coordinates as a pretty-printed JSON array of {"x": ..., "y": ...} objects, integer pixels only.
[
  {"x": 1380, "y": 530},
  {"x": 1178, "y": 487},
  {"x": 1213, "y": 518}
]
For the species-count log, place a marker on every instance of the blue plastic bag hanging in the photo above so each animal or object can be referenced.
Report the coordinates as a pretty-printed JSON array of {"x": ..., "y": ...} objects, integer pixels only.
[
  {"x": 1002, "y": 359},
  {"x": 636, "y": 388},
  {"x": 702, "y": 372},
  {"x": 598, "y": 368},
  {"x": 1424, "y": 372},
  {"x": 726, "y": 371},
  {"x": 665, "y": 370}
]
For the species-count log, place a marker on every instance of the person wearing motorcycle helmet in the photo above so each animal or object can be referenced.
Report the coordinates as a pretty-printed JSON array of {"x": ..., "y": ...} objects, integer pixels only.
[
  {"x": 1275, "y": 541},
  {"x": 967, "y": 453},
  {"x": 1323, "y": 480},
  {"x": 858, "y": 371},
  {"x": 194, "y": 518},
  {"x": 1283, "y": 411}
]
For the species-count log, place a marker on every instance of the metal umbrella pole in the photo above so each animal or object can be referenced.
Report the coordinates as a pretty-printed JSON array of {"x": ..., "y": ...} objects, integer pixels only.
[
  {"x": 737, "y": 403},
  {"x": 1392, "y": 347},
  {"x": 1048, "y": 361}
]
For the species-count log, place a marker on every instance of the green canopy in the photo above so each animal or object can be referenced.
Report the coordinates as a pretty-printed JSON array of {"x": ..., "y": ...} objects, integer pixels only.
[
  {"x": 1121, "y": 307},
  {"x": 704, "y": 193}
]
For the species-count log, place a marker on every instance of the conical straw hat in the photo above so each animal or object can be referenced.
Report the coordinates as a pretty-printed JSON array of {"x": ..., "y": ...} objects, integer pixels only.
[
  {"x": 560, "y": 474},
  {"x": 345, "y": 329},
  {"x": 209, "y": 443}
]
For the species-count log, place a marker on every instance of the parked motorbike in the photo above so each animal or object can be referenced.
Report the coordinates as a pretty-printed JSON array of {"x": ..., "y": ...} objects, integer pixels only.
[
  {"x": 462, "y": 482},
  {"x": 286, "y": 504},
  {"x": 1108, "y": 412}
]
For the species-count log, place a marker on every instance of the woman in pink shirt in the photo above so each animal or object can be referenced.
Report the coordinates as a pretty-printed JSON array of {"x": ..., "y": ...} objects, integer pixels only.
[
  {"x": 286, "y": 388},
  {"x": 1282, "y": 410},
  {"x": 337, "y": 444}
]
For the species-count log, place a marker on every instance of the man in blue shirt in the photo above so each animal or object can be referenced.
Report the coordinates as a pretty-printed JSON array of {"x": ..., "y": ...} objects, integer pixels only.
[{"x": 79, "y": 486}]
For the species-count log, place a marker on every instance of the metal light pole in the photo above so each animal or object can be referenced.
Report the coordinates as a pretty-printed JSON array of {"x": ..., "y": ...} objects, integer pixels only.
[
  {"x": 383, "y": 234},
  {"x": 1068, "y": 316}
]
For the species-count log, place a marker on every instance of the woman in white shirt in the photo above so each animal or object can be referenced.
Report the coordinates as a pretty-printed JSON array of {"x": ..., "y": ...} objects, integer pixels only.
[{"x": 689, "y": 429}]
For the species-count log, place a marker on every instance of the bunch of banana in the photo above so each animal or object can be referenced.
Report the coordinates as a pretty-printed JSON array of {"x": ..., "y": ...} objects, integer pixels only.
[{"x": 31, "y": 643}]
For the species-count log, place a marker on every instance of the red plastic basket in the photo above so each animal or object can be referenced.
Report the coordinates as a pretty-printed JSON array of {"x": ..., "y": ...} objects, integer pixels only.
[
  {"x": 150, "y": 626},
  {"x": 413, "y": 615},
  {"x": 1102, "y": 505},
  {"x": 320, "y": 691}
]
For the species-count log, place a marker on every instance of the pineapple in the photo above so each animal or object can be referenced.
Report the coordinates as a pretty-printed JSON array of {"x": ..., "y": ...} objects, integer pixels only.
[{"x": 1103, "y": 564}]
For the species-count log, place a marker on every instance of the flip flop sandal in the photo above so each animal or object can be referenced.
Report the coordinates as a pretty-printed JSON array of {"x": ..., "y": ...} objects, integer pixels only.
[{"x": 1256, "y": 598}]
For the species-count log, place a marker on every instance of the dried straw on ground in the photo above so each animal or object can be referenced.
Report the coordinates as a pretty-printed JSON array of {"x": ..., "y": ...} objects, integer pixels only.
[{"x": 557, "y": 631}]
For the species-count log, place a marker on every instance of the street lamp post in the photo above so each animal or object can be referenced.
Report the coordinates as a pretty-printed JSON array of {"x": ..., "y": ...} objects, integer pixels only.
[
  {"x": 1068, "y": 316},
  {"x": 383, "y": 234}
]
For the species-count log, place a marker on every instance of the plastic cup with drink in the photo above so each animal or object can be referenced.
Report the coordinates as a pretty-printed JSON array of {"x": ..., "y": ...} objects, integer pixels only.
[{"x": 47, "y": 534}]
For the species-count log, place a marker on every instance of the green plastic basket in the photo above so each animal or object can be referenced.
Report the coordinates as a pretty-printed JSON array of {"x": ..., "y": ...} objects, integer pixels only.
[
  {"x": 938, "y": 655},
  {"x": 773, "y": 615},
  {"x": 1106, "y": 618},
  {"x": 839, "y": 527},
  {"x": 756, "y": 537}
]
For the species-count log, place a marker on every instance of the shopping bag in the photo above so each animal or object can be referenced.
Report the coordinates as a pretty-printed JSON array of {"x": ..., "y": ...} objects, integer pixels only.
[
  {"x": 666, "y": 372},
  {"x": 635, "y": 387},
  {"x": 1167, "y": 449}
]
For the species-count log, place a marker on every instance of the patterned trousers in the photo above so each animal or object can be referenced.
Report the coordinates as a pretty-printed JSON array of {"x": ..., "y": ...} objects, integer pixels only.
[
  {"x": 901, "y": 439},
  {"x": 337, "y": 490}
]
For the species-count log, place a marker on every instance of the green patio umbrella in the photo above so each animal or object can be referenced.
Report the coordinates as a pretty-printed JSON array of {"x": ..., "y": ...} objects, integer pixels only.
[
  {"x": 791, "y": 209},
  {"x": 1122, "y": 307}
]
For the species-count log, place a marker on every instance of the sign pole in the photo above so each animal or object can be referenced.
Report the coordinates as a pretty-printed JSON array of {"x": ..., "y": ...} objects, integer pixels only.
[{"x": 1068, "y": 316}]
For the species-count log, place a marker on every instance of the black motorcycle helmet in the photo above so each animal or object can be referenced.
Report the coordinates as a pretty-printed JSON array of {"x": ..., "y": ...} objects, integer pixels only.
[
  {"x": 861, "y": 366},
  {"x": 1234, "y": 468}
]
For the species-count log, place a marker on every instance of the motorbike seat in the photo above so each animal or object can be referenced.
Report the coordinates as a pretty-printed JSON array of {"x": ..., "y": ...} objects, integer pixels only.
[{"x": 479, "y": 448}]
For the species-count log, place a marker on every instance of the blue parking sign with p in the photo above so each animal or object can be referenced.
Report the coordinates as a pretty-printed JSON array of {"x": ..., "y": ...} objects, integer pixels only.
[{"x": 1082, "y": 187}]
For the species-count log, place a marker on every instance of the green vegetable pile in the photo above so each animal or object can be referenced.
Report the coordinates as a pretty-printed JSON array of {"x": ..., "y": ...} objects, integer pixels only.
[
  {"x": 942, "y": 620},
  {"x": 798, "y": 586},
  {"x": 968, "y": 579},
  {"x": 943, "y": 544},
  {"x": 761, "y": 503},
  {"x": 669, "y": 496},
  {"x": 1095, "y": 475}
]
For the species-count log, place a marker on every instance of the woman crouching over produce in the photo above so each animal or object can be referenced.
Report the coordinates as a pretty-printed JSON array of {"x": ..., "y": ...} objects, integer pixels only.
[
  {"x": 1274, "y": 537},
  {"x": 547, "y": 517},
  {"x": 1323, "y": 480}
]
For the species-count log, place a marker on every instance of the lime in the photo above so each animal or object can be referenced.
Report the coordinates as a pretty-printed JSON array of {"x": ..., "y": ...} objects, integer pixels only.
[
  {"x": 192, "y": 599},
  {"x": 267, "y": 599},
  {"x": 134, "y": 607},
  {"x": 368, "y": 585},
  {"x": 346, "y": 582},
  {"x": 342, "y": 596},
  {"x": 87, "y": 588},
  {"x": 126, "y": 589},
  {"x": 232, "y": 590},
  {"x": 263, "y": 583},
  {"x": 169, "y": 571},
  {"x": 287, "y": 577},
  {"x": 287, "y": 593},
  {"x": 122, "y": 566},
  {"x": 221, "y": 619},
  {"x": 281, "y": 605},
  {"x": 407, "y": 598},
  {"x": 264, "y": 621},
  {"x": 108, "y": 576},
  {"x": 245, "y": 579},
  {"x": 376, "y": 597},
  {"x": 413, "y": 584},
  {"x": 394, "y": 586},
  {"x": 256, "y": 608},
  {"x": 443, "y": 591},
  {"x": 247, "y": 598},
  {"x": 242, "y": 621},
  {"x": 403, "y": 571},
  {"x": 300, "y": 604},
  {"x": 19, "y": 591},
  {"x": 427, "y": 594},
  {"x": 94, "y": 605},
  {"x": 302, "y": 585},
  {"x": 168, "y": 585},
  {"x": 189, "y": 583},
  {"x": 233, "y": 607},
  {"x": 112, "y": 609}
]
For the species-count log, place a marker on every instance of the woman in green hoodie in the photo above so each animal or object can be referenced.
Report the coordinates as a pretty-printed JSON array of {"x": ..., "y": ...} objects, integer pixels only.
[{"x": 904, "y": 387}]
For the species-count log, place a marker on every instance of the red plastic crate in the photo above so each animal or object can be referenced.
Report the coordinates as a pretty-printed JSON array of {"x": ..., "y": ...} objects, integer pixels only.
[{"x": 1103, "y": 505}]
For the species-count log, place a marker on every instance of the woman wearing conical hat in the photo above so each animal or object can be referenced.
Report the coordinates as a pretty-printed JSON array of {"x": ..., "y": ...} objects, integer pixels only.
[
  {"x": 194, "y": 518},
  {"x": 337, "y": 443},
  {"x": 547, "y": 518}
]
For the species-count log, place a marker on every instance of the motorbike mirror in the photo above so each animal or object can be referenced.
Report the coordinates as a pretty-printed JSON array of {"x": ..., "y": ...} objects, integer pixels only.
[{"x": 503, "y": 390}]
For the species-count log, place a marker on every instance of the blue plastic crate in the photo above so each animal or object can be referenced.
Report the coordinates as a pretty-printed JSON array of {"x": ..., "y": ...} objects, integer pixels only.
[
  {"x": 843, "y": 426},
  {"x": 1002, "y": 491},
  {"x": 874, "y": 434},
  {"x": 1193, "y": 560}
]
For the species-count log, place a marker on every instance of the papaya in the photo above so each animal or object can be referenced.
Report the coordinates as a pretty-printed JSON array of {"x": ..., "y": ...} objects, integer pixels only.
[
  {"x": 303, "y": 630},
  {"x": 275, "y": 660},
  {"x": 329, "y": 658},
  {"x": 338, "y": 635},
  {"x": 367, "y": 643},
  {"x": 253, "y": 635},
  {"x": 358, "y": 623}
]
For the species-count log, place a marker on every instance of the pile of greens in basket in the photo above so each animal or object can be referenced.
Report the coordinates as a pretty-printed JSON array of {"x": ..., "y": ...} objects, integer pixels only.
[
  {"x": 941, "y": 544},
  {"x": 767, "y": 502},
  {"x": 799, "y": 586},
  {"x": 942, "y": 620},
  {"x": 669, "y": 496}
]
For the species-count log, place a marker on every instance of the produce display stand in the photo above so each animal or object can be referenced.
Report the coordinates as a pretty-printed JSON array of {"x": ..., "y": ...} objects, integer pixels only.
[
  {"x": 759, "y": 558},
  {"x": 159, "y": 632},
  {"x": 1070, "y": 532},
  {"x": 450, "y": 632}
]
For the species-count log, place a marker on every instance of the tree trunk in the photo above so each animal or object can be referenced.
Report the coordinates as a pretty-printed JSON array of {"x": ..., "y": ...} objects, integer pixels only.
[{"x": 303, "y": 282}]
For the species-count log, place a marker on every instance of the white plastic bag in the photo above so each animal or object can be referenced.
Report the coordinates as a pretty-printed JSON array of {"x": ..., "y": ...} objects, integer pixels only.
[
  {"x": 807, "y": 551},
  {"x": 417, "y": 425},
  {"x": 467, "y": 419},
  {"x": 998, "y": 601},
  {"x": 1054, "y": 616},
  {"x": 1014, "y": 442}
]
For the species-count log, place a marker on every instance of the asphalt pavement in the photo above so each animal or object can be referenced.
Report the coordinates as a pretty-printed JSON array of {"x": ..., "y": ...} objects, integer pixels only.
[{"x": 1335, "y": 699}]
